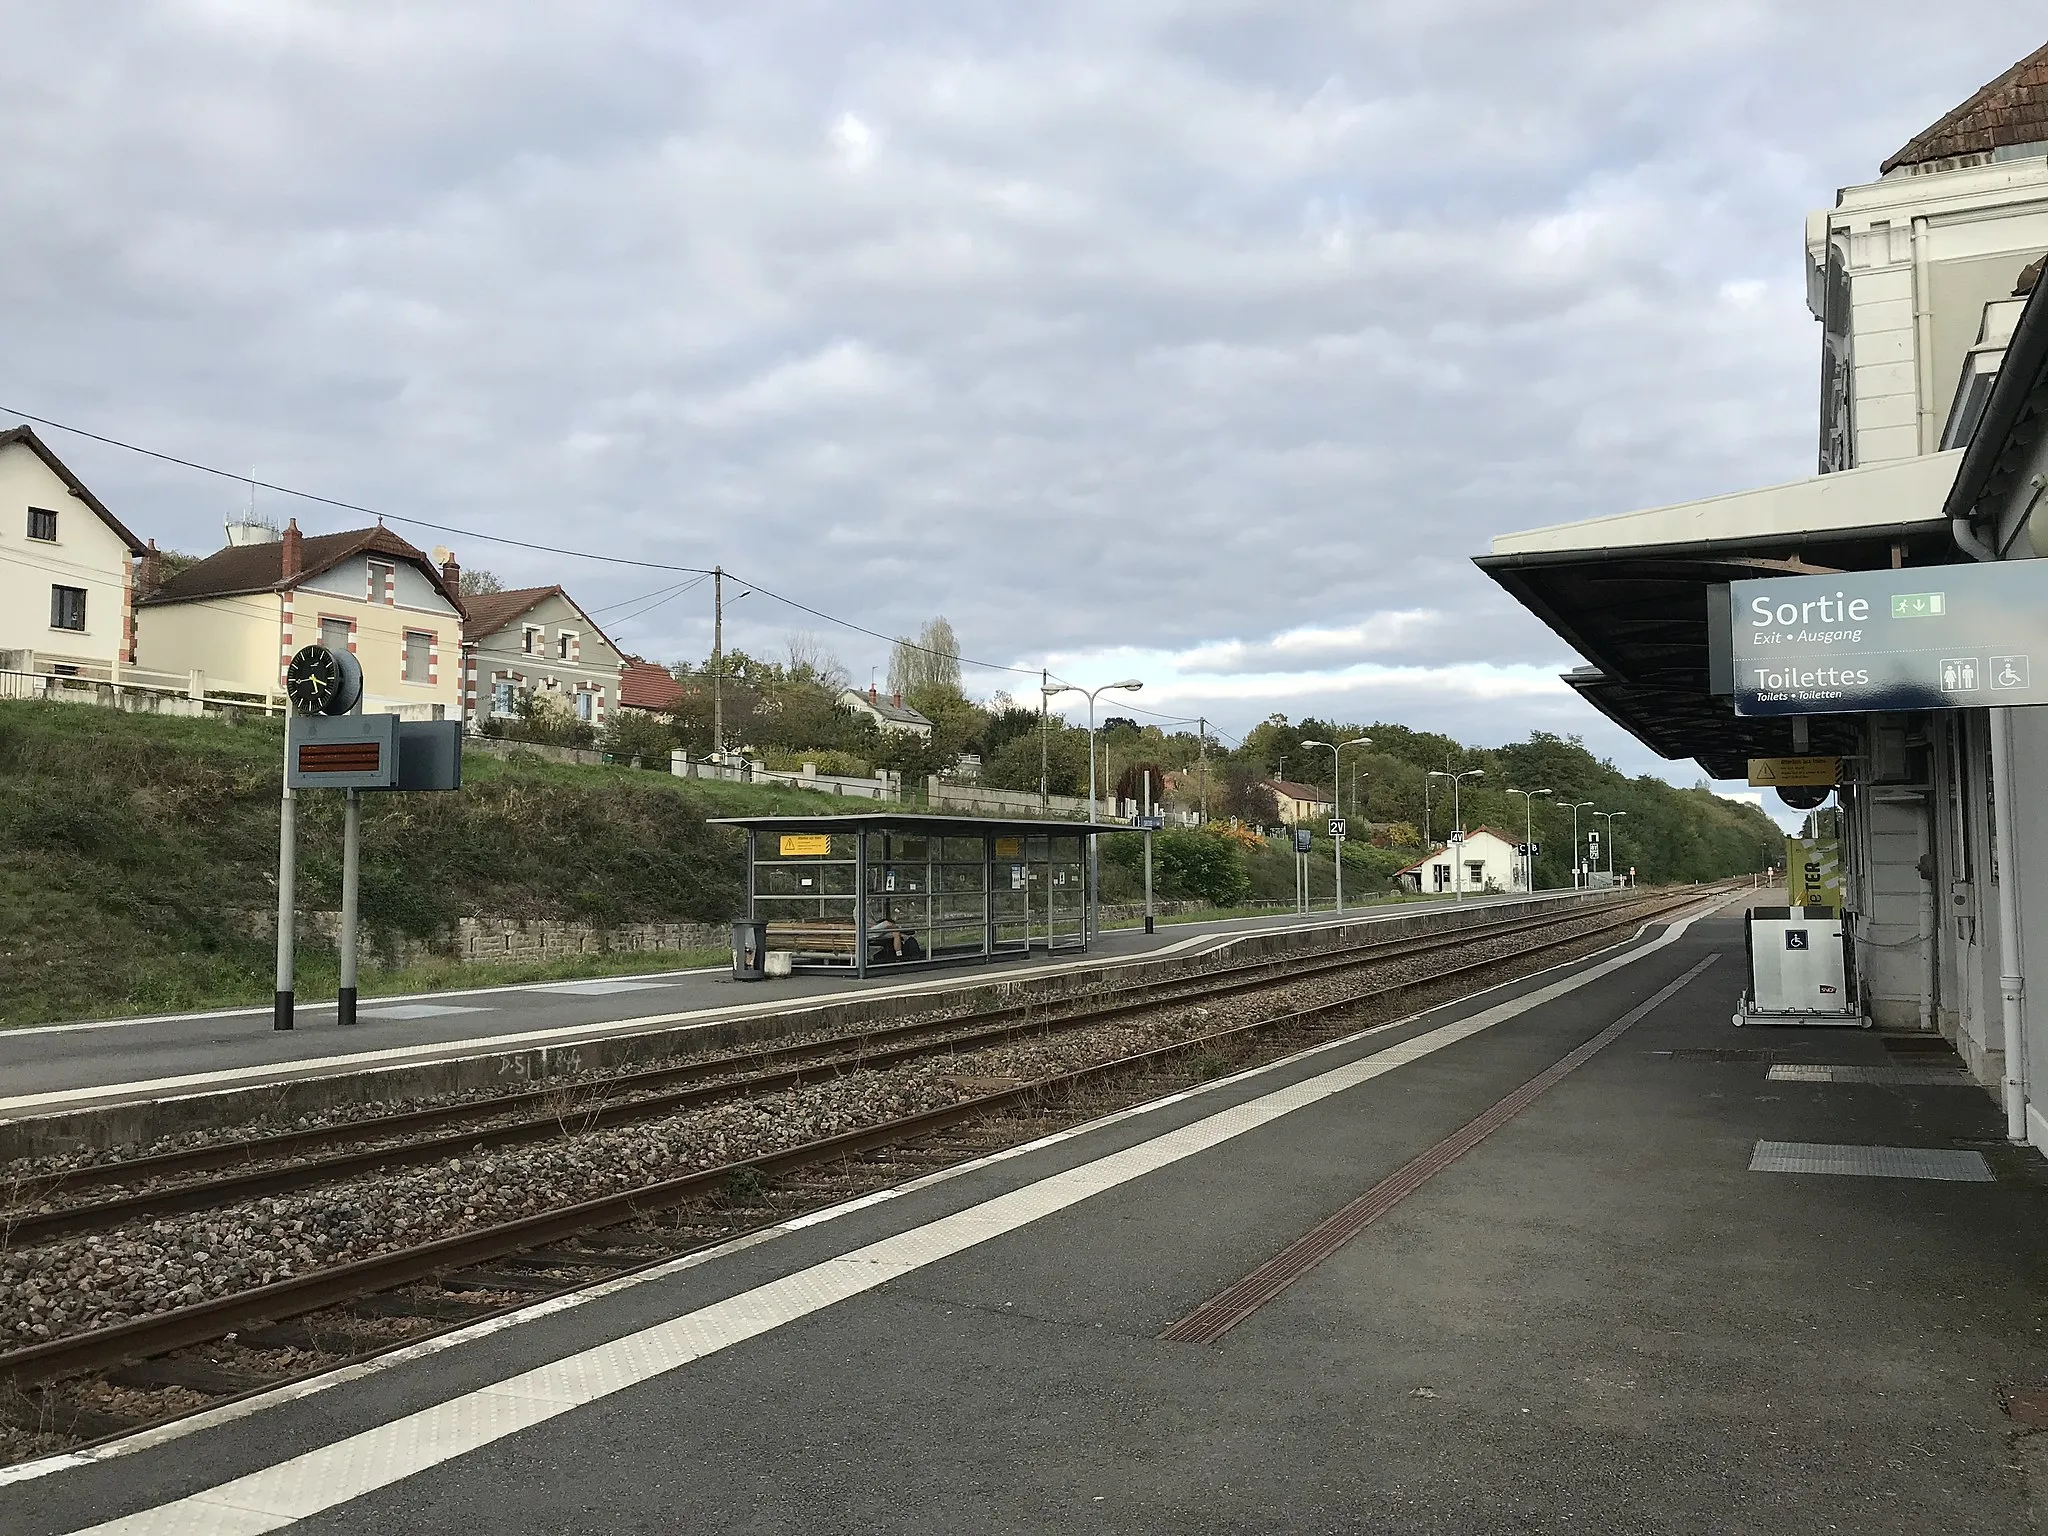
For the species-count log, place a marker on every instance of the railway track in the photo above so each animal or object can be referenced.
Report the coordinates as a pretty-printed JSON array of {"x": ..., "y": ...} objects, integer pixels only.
[
  {"x": 109, "y": 1380},
  {"x": 250, "y": 1168}
]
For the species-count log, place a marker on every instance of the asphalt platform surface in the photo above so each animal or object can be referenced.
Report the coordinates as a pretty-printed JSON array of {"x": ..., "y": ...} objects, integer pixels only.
[{"x": 1598, "y": 1319}]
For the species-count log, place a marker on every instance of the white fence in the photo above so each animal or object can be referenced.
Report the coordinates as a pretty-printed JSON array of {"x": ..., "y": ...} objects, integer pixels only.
[{"x": 129, "y": 693}]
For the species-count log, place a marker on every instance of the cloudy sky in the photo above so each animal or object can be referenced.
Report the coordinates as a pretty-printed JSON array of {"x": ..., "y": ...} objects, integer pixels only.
[{"x": 1203, "y": 341}]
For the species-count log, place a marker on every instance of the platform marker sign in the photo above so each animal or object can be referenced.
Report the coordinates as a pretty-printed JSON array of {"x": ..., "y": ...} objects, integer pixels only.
[
  {"x": 1337, "y": 828},
  {"x": 1953, "y": 637}
]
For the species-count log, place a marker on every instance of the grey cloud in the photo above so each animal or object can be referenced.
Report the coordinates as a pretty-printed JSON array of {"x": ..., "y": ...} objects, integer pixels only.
[{"x": 1112, "y": 324}]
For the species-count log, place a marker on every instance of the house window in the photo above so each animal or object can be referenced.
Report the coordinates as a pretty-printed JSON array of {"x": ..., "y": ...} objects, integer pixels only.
[
  {"x": 531, "y": 638},
  {"x": 501, "y": 698},
  {"x": 418, "y": 656},
  {"x": 67, "y": 608},
  {"x": 383, "y": 578},
  {"x": 42, "y": 524},
  {"x": 565, "y": 646},
  {"x": 584, "y": 701},
  {"x": 334, "y": 633}
]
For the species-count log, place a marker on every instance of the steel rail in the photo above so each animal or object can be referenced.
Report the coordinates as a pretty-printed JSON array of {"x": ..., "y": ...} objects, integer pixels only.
[
  {"x": 200, "y": 1322},
  {"x": 613, "y": 1101}
]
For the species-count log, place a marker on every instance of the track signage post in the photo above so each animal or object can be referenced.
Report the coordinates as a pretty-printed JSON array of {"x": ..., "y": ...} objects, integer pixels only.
[{"x": 331, "y": 744}]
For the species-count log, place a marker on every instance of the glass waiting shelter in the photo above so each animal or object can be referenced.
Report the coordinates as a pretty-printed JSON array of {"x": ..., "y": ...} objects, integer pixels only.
[{"x": 862, "y": 894}]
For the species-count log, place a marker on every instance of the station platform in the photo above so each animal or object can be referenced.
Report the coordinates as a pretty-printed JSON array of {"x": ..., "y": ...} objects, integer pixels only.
[
  {"x": 1708, "y": 1278},
  {"x": 66, "y": 1067}
]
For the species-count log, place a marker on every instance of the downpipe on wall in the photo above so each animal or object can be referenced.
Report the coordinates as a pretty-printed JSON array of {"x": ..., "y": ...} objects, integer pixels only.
[{"x": 2011, "y": 983}]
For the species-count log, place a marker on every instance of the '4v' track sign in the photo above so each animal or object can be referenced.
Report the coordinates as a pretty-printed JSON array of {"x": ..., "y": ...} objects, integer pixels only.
[{"x": 1936, "y": 637}]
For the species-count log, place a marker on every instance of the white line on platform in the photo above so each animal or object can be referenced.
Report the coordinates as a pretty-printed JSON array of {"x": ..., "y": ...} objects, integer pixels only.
[{"x": 321, "y": 1479}]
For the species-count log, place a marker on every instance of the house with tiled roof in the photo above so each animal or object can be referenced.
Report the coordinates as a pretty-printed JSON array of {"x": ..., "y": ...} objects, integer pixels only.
[
  {"x": 1300, "y": 804},
  {"x": 67, "y": 568},
  {"x": 237, "y": 616},
  {"x": 536, "y": 640},
  {"x": 650, "y": 686},
  {"x": 2006, "y": 120},
  {"x": 889, "y": 712}
]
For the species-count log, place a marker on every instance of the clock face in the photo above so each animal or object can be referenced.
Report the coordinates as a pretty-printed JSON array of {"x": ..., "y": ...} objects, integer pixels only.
[{"x": 322, "y": 682}]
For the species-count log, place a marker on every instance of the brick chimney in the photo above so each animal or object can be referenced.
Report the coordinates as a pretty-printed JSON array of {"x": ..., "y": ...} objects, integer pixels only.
[
  {"x": 896, "y": 699},
  {"x": 871, "y": 693},
  {"x": 149, "y": 573},
  {"x": 294, "y": 552},
  {"x": 451, "y": 573}
]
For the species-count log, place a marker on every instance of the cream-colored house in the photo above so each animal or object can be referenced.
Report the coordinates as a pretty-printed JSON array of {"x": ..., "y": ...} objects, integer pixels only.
[
  {"x": 237, "y": 616},
  {"x": 1300, "y": 804},
  {"x": 66, "y": 569}
]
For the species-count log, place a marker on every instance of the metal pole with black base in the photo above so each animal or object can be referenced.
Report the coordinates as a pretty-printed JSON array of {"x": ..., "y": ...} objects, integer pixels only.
[
  {"x": 351, "y": 884},
  {"x": 1148, "y": 850},
  {"x": 287, "y": 893}
]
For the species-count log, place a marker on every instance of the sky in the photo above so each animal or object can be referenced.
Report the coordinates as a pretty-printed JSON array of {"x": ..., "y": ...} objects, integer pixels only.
[{"x": 1202, "y": 343}]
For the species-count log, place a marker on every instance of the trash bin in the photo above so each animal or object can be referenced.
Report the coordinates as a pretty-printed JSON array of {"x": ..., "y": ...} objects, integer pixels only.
[{"x": 749, "y": 948}]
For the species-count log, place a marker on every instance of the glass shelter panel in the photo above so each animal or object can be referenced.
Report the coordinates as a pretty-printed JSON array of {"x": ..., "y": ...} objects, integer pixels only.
[
  {"x": 927, "y": 897},
  {"x": 805, "y": 887}
]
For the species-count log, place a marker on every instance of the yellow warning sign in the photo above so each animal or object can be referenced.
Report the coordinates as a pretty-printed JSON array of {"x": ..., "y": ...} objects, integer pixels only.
[
  {"x": 1009, "y": 847},
  {"x": 799, "y": 845},
  {"x": 1795, "y": 772}
]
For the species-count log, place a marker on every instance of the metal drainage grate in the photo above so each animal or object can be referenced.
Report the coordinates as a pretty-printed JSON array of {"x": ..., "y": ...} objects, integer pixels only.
[
  {"x": 1870, "y": 1162},
  {"x": 1803, "y": 1072},
  {"x": 1717, "y": 1053}
]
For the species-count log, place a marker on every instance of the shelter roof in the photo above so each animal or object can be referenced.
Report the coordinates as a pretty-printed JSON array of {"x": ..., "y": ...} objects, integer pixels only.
[
  {"x": 1629, "y": 593},
  {"x": 913, "y": 822},
  {"x": 2013, "y": 109},
  {"x": 27, "y": 438}
]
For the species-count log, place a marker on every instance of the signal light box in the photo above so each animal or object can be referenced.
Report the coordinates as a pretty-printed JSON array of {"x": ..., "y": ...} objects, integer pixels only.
[{"x": 342, "y": 752}]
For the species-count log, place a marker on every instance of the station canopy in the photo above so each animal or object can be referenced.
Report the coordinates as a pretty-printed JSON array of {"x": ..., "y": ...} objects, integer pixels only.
[{"x": 1629, "y": 594}]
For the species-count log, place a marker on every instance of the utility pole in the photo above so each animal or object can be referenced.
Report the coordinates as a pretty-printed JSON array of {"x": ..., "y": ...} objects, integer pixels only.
[
  {"x": 718, "y": 667},
  {"x": 1202, "y": 754},
  {"x": 1044, "y": 726}
]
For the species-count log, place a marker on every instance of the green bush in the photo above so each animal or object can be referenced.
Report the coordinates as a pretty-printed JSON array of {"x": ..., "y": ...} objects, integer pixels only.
[
  {"x": 634, "y": 733},
  {"x": 1198, "y": 865}
]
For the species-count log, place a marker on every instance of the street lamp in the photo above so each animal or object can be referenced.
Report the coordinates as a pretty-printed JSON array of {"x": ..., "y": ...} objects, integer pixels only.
[
  {"x": 1610, "y": 815},
  {"x": 1337, "y": 798},
  {"x": 1529, "y": 798},
  {"x": 1575, "y": 807},
  {"x": 1458, "y": 821},
  {"x": 1129, "y": 685}
]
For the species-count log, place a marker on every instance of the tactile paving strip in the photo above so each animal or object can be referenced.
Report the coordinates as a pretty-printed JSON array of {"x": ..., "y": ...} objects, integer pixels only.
[
  {"x": 1806, "y": 1072},
  {"x": 1870, "y": 1162}
]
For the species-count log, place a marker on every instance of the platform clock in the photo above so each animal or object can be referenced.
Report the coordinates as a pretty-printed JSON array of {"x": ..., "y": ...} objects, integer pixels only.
[{"x": 319, "y": 681}]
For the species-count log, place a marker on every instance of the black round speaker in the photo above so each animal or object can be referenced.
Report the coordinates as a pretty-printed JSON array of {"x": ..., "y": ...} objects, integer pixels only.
[
  {"x": 1805, "y": 797},
  {"x": 319, "y": 681}
]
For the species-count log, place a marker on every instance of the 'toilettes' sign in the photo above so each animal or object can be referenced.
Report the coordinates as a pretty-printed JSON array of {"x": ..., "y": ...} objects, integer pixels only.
[{"x": 1937, "y": 637}]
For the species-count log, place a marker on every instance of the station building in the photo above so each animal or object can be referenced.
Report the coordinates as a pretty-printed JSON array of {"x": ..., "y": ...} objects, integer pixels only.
[{"x": 1932, "y": 453}]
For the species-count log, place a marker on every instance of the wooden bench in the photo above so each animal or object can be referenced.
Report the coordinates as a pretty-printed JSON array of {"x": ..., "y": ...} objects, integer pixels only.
[{"x": 814, "y": 938}]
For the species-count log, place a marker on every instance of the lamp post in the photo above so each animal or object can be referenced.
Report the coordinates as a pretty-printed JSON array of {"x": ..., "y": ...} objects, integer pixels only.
[
  {"x": 1336, "y": 797},
  {"x": 1574, "y": 806},
  {"x": 1129, "y": 685},
  {"x": 1458, "y": 821},
  {"x": 1529, "y": 798},
  {"x": 1610, "y": 815}
]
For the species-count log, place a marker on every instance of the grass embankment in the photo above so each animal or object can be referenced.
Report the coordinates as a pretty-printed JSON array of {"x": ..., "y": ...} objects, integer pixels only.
[{"x": 138, "y": 861}]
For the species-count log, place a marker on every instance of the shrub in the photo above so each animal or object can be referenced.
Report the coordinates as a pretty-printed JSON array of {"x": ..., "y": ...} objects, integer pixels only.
[
  {"x": 1198, "y": 864},
  {"x": 633, "y": 733}
]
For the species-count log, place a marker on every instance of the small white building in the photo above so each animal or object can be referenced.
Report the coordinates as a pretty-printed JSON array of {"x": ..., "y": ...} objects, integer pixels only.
[
  {"x": 1484, "y": 861},
  {"x": 891, "y": 714},
  {"x": 67, "y": 569}
]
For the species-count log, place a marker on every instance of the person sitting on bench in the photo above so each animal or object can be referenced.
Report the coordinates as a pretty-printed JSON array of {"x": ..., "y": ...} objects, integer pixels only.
[{"x": 888, "y": 943}]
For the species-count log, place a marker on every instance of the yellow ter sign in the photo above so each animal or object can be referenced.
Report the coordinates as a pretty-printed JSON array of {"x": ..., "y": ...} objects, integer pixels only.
[
  {"x": 1795, "y": 772},
  {"x": 803, "y": 845}
]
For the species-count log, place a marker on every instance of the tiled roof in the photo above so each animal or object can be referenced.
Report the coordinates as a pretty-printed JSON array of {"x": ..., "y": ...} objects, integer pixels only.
[
  {"x": 649, "y": 685},
  {"x": 886, "y": 709},
  {"x": 244, "y": 568},
  {"x": 2013, "y": 109},
  {"x": 485, "y": 613},
  {"x": 76, "y": 486},
  {"x": 1293, "y": 789}
]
